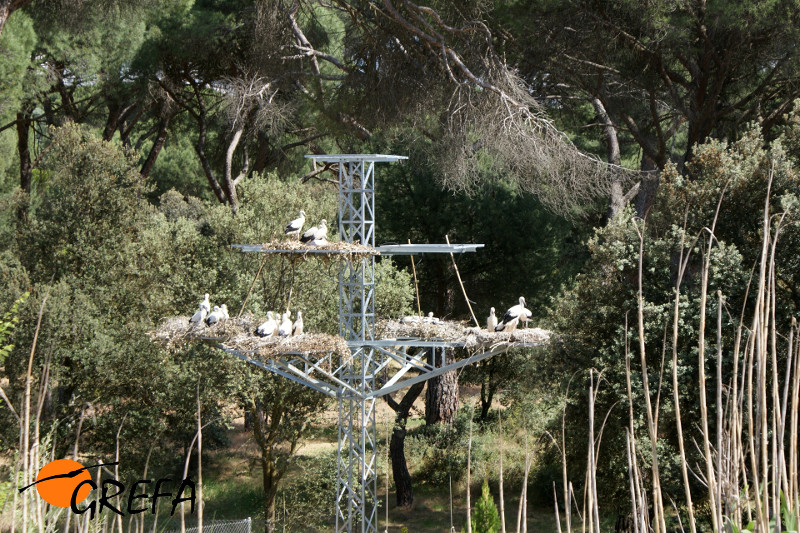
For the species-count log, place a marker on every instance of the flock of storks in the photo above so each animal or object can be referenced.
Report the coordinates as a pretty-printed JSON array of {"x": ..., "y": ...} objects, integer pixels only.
[{"x": 318, "y": 236}]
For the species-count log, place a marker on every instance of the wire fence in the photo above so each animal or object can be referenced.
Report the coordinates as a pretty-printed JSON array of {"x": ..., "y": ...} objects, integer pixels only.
[{"x": 221, "y": 526}]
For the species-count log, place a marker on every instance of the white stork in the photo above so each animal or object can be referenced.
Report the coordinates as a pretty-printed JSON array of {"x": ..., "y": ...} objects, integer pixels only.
[
  {"x": 293, "y": 228},
  {"x": 269, "y": 327},
  {"x": 509, "y": 326},
  {"x": 297, "y": 327},
  {"x": 217, "y": 315},
  {"x": 202, "y": 312},
  {"x": 316, "y": 233},
  {"x": 491, "y": 320},
  {"x": 430, "y": 319},
  {"x": 285, "y": 329},
  {"x": 515, "y": 314}
]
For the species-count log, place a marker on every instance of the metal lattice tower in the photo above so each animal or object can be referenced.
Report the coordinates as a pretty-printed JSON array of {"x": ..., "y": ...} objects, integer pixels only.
[
  {"x": 354, "y": 382},
  {"x": 357, "y": 485}
]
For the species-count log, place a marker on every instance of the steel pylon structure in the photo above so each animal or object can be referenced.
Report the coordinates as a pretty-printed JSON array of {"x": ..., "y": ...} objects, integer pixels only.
[{"x": 378, "y": 366}]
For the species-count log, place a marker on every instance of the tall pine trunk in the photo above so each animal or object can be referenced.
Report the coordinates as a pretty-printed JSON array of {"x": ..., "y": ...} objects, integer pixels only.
[
  {"x": 441, "y": 398},
  {"x": 402, "y": 478}
]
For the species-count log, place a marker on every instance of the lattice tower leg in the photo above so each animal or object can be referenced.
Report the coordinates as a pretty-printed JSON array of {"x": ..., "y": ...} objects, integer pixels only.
[{"x": 357, "y": 457}]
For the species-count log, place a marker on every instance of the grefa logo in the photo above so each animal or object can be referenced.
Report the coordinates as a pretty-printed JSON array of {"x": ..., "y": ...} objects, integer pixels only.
[{"x": 66, "y": 483}]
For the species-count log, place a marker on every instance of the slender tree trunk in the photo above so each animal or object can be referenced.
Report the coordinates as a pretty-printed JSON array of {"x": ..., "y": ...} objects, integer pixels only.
[
  {"x": 265, "y": 424},
  {"x": 158, "y": 144},
  {"x": 488, "y": 388},
  {"x": 23, "y": 148},
  {"x": 502, "y": 495},
  {"x": 404, "y": 491},
  {"x": 263, "y": 152},
  {"x": 469, "y": 470},
  {"x": 4, "y": 13},
  {"x": 270, "y": 493},
  {"x": 199, "y": 463},
  {"x": 112, "y": 122},
  {"x": 441, "y": 398},
  {"x": 402, "y": 479},
  {"x": 648, "y": 188}
]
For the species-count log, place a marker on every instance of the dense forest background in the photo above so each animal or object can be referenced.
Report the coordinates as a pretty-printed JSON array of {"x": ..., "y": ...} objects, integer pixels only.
[{"x": 632, "y": 168}]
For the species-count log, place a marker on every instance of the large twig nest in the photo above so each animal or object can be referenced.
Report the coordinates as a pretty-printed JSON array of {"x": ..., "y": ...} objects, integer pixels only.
[
  {"x": 459, "y": 333},
  {"x": 345, "y": 251},
  {"x": 239, "y": 334},
  {"x": 481, "y": 338},
  {"x": 444, "y": 330}
]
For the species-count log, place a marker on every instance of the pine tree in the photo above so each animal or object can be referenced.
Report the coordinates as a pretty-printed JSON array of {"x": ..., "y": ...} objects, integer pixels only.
[{"x": 486, "y": 518}]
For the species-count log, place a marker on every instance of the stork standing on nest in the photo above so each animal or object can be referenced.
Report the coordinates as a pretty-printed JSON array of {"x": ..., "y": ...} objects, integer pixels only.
[
  {"x": 293, "y": 228},
  {"x": 297, "y": 327},
  {"x": 491, "y": 320},
  {"x": 268, "y": 328},
  {"x": 285, "y": 329},
  {"x": 202, "y": 312},
  {"x": 513, "y": 316}
]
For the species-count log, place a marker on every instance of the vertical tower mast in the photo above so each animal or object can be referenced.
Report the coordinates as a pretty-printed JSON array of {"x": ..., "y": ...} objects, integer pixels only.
[{"x": 357, "y": 479}]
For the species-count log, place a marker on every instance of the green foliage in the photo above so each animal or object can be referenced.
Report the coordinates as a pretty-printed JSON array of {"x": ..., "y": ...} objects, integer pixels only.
[
  {"x": 309, "y": 497},
  {"x": 7, "y": 324},
  {"x": 527, "y": 250},
  {"x": 591, "y": 315},
  {"x": 439, "y": 451},
  {"x": 485, "y": 518},
  {"x": 17, "y": 42}
]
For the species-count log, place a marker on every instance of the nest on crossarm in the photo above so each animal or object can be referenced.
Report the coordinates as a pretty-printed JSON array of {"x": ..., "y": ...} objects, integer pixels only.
[
  {"x": 444, "y": 330},
  {"x": 239, "y": 334},
  {"x": 458, "y": 333},
  {"x": 296, "y": 250},
  {"x": 481, "y": 338}
]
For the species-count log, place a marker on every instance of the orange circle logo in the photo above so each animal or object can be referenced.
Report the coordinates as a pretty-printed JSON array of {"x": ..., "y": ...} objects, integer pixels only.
[{"x": 58, "y": 479}]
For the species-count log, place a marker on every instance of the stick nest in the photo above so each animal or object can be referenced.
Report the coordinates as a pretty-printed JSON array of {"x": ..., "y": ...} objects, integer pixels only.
[
  {"x": 338, "y": 250},
  {"x": 239, "y": 334},
  {"x": 459, "y": 332}
]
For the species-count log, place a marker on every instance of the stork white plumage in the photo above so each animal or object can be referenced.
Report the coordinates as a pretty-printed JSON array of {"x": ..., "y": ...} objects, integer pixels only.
[
  {"x": 509, "y": 326},
  {"x": 297, "y": 327},
  {"x": 316, "y": 233},
  {"x": 285, "y": 329},
  {"x": 269, "y": 327},
  {"x": 224, "y": 309},
  {"x": 430, "y": 319},
  {"x": 491, "y": 320},
  {"x": 199, "y": 316},
  {"x": 515, "y": 313},
  {"x": 293, "y": 228},
  {"x": 215, "y": 316},
  {"x": 202, "y": 312}
]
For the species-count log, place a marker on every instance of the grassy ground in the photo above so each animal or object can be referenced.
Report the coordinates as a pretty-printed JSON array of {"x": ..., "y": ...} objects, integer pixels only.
[{"x": 232, "y": 489}]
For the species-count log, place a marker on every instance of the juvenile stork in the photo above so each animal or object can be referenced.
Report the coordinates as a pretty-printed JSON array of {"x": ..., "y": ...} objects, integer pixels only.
[
  {"x": 491, "y": 320},
  {"x": 297, "y": 327},
  {"x": 202, "y": 312},
  {"x": 268, "y": 328},
  {"x": 285, "y": 329},
  {"x": 316, "y": 233}
]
